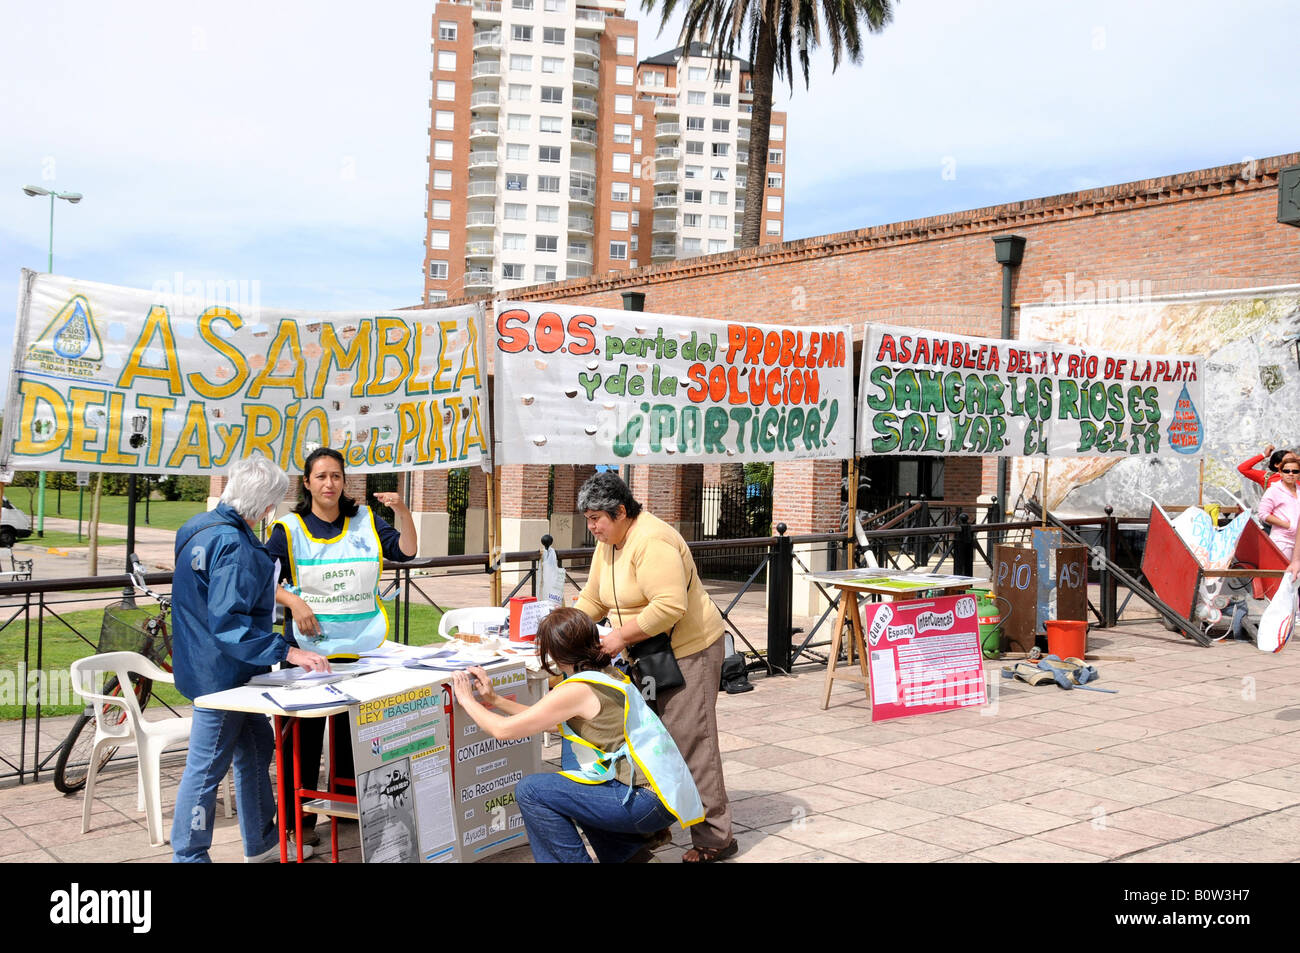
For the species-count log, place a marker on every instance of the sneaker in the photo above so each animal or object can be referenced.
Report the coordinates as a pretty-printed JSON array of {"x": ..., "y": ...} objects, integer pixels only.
[
  {"x": 309, "y": 837},
  {"x": 272, "y": 855}
]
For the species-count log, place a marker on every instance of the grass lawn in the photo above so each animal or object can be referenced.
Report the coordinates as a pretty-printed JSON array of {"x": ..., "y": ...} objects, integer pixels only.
[
  {"x": 60, "y": 540},
  {"x": 163, "y": 514},
  {"x": 62, "y": 647}
]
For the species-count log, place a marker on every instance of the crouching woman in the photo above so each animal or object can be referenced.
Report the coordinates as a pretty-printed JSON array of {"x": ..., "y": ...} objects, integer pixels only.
[{"x": 631, "y": 778}]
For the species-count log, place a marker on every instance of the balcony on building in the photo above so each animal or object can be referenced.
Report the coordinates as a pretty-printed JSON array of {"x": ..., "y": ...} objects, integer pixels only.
[
  {"x": 668, "y": 177},
  {"x": 661, "y": 250},
  {"x": 742, "y": 158},
  {"x": 740, "y": 206},
  {"x": 483, "y": 159},
  {"x": 665, "y": 225},
  {"x": 666, "y": 106},
  {"x": 485, "y": 68},
  {"x": 666, "y": 200},
  {"x": 583, "y": 137},
  {"x": 582, "y": 188},
  {"x": 589, "y": 21},
  {"x": 482, "y": 189},
  {"x": 745, "y": 112},
  {"x": 742, "y": 182},
  {"x": 585, "y": 77},
  {"x": 480, "y": 249},
  {"x": 584, "y": 48},
  {"x": 667, "y": 154},
  {"x": 487, "y": 10},
  {"x": 742, "y": 133},
  {"x": 668, "y": 130},
  {"x": 487, "y": 40},
  {"x": 582, "y": 224},
  {"x": 584, "y": 106},
  {"x": 483, "y": 130},
  {"x": 577, "y": 271},
  {"x": 486, "y": 100},
  {"x": 484, "y": 219},
  {"x": 580, "y": 252},
  {"x": 478, "y": 279},
  {"x": 582, "y": 164}
]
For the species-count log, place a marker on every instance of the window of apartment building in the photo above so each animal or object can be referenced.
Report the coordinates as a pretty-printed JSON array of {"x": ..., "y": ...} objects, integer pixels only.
[
  {"x": 512, "y": 272},
  {"x": 618, "y": 251},
  {"x": 694, "y": 196},
  {"x": 719, "y": 198},
  {"x": 516, "y": 211},
  {"x": 519, "y": 92},
  {"x": 516, "y": 181},
  {"x": 446, "y": 89},
  {"x": 716, "y": 245},
  {"x": 552, "y": 94},
  {"x": 724, "y": 76},
  {"x": 695, "y": 97},
  {"x": 544, "y": 273},
  {"x": 517, "y": 151},
  {"x": 694, "y": 171},
  {"x": 548, "y": 183},
  {"x": 618, "y": 221},
  {"x": 442, "y": 180},
  {"x": 441, "y": 149},
  {"x": 718, "y": 173},
  {"x": 444, "y": 119},
  {"x": 636, "y": 219},
  {"x": 636, "y": 123},
  {"x": 447, "y": 31},
  {"x": 774, "y": 226},
  {"x": 722, "y": 99},
  {"x": 438, "y": 270},
  {"x": 440, "y": 239},
  {"x": 547, "y": 243},
  {"x": 622, "y": 133},
  {"x": 694, "y": 123},
  {"x": 626, "y": 45},
  {"x": 749, "y": 84},
  {"x": 636, "y": 147},
  {"x": 717, "y": 221},
  {"x": 440, "y": 209},
  {"x": 636, "y": 194},
  {"x": 548, "y": 153},
  {"x": 623, "y": 105},
  {"x": 636, "y": 170},
  {"x": 777, "y": 133},
  {"x": 521, "y": 4},
  {"x": 520, "y": 63},
  {"x": 437, "y": 296},
  {"x": 697, "y": 73},
  {"x": 722, "y": 125},
  {"x": 691, "y": 246},
  {"x": 446, "y": 60},
  {"x": 548, "y": 213},
  {"x": 512, "y": 241},
  {"x": 553, "y": 6},
  {"x": 774, "y": 180},
  {"x": 551, "y": 124},
  {"x": 721, "y": 149},
  {"x": 553, "y": 35},
  {"x": 622, "y": 162},
  {"x": 521, "y": 33},
  {"x": 618, "y": 192},
  {"x": 553, "y": 64},
  {"x": 623, "y": 75},
  {"x": 691, "y": 220},
  {"x": 774, "y": 156},
  {"x": 653, "y": 77},
  {"x": 517, "y": 122},
  {"x": 774, "y": 203},
  {"x": 694, "y": 148}
]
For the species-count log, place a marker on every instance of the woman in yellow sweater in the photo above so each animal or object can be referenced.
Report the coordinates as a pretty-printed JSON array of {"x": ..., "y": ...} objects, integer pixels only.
[{"x": 643, "y": 578}]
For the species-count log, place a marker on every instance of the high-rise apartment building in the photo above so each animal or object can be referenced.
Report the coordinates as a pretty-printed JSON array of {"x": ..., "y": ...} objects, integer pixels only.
[{"x": 554, "y": 153}]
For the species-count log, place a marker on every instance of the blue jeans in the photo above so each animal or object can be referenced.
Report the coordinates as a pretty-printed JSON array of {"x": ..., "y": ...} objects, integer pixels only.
[
  {"x": 217, "y": 739},
  {"x": 553, "y": 806}
]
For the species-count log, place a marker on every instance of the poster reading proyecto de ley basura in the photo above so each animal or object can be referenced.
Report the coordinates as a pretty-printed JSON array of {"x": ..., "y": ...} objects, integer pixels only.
[
  {"x": 923, "y": 656},
  {"x": 592, "y": 385}
]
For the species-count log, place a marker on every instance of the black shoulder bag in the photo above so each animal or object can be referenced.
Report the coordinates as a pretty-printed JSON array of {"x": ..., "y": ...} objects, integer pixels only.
[{"x": 654, "y": 666}]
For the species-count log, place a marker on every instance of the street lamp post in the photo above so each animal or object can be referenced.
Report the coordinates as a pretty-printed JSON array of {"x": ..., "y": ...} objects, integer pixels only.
[{"x": 74, "y": 198}]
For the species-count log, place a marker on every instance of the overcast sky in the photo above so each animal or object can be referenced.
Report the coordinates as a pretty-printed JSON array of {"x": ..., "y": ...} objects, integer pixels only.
[{"x": 284, "y": 142}]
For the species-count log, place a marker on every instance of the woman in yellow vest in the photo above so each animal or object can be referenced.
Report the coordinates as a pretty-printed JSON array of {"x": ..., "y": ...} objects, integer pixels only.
[
  {"x": 631, "y": 780},
  {"x": 331, "y": 552}
]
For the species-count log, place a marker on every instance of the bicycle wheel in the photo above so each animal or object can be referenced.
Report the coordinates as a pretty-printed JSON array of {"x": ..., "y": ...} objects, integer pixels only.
[{"x": 73, "y": 765}]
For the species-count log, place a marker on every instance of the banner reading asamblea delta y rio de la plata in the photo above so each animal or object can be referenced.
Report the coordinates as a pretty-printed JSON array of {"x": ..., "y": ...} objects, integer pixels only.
[
  {"x": 118, "y": 379},
  {"x": 925, "y": 392},
  {"x": 593, "y": 385}
]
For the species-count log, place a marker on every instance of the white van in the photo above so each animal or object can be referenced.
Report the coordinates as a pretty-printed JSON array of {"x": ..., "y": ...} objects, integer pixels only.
[{"x": 14, "y": 524}]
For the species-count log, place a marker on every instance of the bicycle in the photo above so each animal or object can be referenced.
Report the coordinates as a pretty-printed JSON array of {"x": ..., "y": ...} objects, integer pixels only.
[{"x": 125, "y": 628}]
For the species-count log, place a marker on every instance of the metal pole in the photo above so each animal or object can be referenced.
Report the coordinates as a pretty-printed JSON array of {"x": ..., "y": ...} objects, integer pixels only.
[
  {"x": 40, "y": 499},
  {"x": 81, "y": 501},
  {"x": 128, "y": 593},
  {"x": 780, "y": 600},
  {"x": 1009, "y": 251}
]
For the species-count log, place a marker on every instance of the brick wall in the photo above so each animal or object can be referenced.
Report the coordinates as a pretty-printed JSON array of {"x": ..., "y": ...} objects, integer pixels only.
[
  {"x": 806, "y": 496},
  {"x": 523, "y": 491},
  {"x": 428, "y": 491}
]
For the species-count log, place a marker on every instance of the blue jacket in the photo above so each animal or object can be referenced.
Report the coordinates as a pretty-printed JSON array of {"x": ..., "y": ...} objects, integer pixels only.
[{"x": 223, "y": 605}]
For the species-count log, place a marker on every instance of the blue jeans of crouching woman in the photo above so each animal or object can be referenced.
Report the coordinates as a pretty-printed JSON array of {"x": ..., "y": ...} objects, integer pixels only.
[
  {"x": 218, "y": 739},
  {"x": 553, "y": 807}
]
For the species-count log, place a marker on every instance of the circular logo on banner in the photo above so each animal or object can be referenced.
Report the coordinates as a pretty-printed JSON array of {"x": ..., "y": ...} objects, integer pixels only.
[{"x": 965, "y": 607}]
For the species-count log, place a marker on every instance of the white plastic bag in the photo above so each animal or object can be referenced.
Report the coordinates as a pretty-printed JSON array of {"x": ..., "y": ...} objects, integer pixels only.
[
  {"x": 1276, "y": 623},
  {"x": 551, "y": 589}
]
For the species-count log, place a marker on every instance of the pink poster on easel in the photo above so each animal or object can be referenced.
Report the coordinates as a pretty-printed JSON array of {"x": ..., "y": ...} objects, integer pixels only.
[{"x": 923, "y": 656}]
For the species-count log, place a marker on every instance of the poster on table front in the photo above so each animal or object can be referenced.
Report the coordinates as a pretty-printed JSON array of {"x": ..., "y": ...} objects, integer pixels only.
[
  {"x": 926, "y": 392},
  {"x": 188, "y": 378},
  {"x": 592, "y": 385},
  {"x": 923, "y": 656}
]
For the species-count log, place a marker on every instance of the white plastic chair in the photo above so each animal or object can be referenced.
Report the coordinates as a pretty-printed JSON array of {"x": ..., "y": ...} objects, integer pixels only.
[
  {"x": 149, "y": 737},
  {"x": 464, "y": 620}
]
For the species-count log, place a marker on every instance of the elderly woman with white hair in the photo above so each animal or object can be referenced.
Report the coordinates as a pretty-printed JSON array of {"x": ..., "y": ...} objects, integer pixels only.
[{"x": 223, "y": 605}]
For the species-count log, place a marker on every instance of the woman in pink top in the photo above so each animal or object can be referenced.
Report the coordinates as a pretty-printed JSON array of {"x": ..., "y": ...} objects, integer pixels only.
[{"x": 1280, "y": 506}]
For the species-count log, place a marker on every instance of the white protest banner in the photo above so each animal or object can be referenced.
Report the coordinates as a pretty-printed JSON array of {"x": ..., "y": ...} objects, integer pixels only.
[
  {"x": 592, "y": 385},
  {"x": 119, "y": 379},
  {"x": 925, "y": 392}
]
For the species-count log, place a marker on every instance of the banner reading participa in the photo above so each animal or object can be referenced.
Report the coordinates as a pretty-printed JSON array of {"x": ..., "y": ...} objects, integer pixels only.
[
  {"x": 925, "y": 392},
  {"x": 117, "y": 379},
  {"x": 592, "y": 385}
]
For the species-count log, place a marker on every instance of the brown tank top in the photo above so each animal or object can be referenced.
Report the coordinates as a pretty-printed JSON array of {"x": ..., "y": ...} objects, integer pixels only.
[{"x": 605, "y": 731}]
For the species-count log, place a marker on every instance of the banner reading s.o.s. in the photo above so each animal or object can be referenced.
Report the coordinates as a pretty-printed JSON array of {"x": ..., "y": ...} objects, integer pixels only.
[
  {"x": 108, "y": 378},
  {"x": 591, "y": 385},
  {"x": 925, "y": 392}
]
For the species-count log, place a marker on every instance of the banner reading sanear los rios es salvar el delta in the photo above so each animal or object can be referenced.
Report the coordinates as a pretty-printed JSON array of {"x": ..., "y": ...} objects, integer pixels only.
[
  {"x": 117, "y": 379},
  {"x": 592, "y": 385},
  {"x": 925, "y": 392}
]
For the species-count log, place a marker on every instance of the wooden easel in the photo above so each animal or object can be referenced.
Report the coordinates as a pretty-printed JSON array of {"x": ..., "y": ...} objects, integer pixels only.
[{"x": 848, "y": 612}]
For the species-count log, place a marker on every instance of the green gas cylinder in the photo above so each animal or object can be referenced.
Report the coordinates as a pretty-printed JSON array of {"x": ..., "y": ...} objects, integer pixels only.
[{"x": 990, "y": 621}]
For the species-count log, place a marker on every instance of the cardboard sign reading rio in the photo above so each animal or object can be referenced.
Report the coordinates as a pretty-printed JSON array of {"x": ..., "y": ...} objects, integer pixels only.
[{"x": 112, "y": 378}]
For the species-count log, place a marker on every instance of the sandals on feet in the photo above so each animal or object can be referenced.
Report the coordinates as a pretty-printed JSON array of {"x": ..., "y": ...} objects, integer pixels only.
[{"x": 710, "y": 855}]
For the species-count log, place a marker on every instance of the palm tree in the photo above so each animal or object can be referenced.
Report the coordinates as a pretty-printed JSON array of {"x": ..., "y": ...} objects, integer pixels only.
[{"x": 777, "y": 32}]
